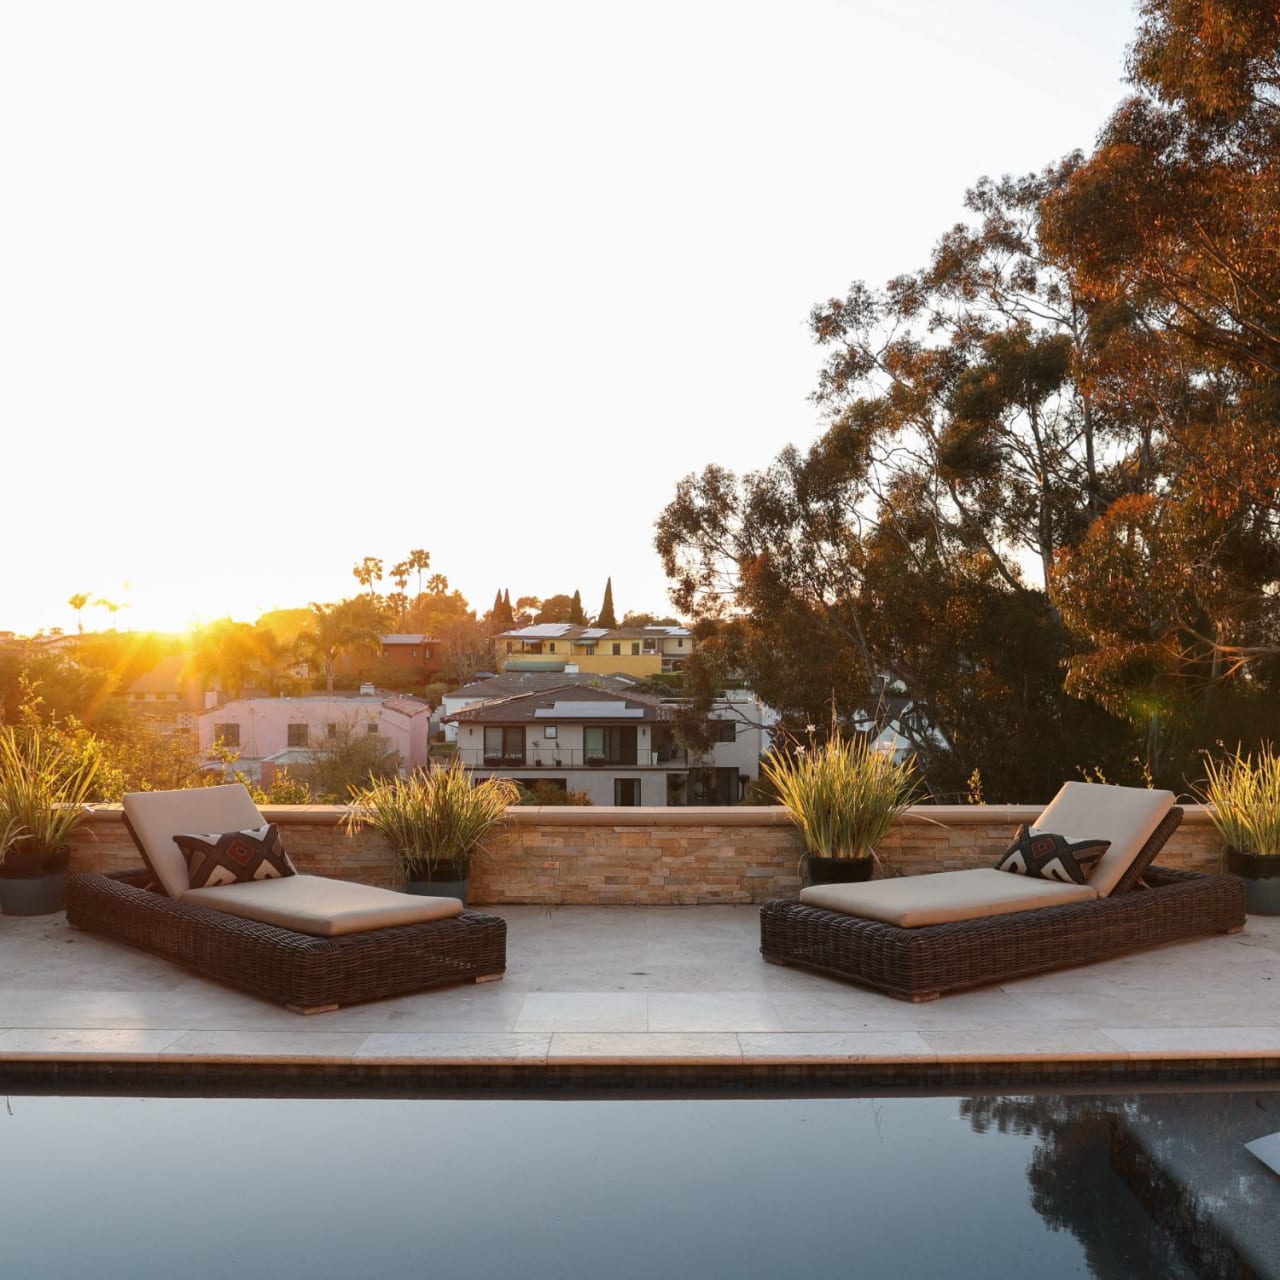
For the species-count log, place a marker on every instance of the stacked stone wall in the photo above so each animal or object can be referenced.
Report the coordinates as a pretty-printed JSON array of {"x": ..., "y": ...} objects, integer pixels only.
[{"x": 641, "y": 857}]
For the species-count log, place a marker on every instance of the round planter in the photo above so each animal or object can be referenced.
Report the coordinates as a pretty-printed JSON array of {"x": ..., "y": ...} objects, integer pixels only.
[
  {"x": 1261, "y": 876},
  {"x": 837, "y": 870},
  {"x": 32, "y": 884},
  {"x": 32, "y": 895}
]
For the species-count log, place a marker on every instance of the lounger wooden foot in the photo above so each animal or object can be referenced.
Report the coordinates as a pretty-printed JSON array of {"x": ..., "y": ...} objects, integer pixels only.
[
  {"x": 314, "y": 1008},
  {"x": 489, "y": 977}
]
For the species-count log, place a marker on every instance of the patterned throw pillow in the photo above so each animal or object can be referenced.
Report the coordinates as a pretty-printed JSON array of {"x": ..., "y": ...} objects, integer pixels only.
[
  {"x": 1047, "y": 856},
  {"x": 236, "y": 857}
]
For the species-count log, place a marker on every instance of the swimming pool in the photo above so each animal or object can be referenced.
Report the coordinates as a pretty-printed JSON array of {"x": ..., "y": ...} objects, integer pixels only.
[{"x": 739, "y": 1187}]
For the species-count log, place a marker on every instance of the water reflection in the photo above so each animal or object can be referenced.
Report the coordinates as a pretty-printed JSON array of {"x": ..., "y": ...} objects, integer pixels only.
[
  {"x": 738, "y": 1187},
  {"x": 1155, "y": 1184}
]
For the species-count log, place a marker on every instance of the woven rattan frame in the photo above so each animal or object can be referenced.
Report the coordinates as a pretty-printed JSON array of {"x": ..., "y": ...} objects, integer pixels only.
[
  {"x": 304, "y": 972},
  {"x": 1150, "y": 906}
]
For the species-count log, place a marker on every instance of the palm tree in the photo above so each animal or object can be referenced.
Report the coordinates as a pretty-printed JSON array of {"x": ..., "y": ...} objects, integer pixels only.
[
  {"x": 421, "y": 561},
  {"x": 78, "y": 602},
  {"x": 224, "y": 655},
  {"x": 334, "y": 629},
  {"x": 367, "y": 572}
]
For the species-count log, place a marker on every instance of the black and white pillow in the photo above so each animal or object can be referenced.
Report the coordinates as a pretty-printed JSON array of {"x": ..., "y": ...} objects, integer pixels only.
[
  {"x": 235, "y": 857},
  {"x": 1046, "y": 855}
]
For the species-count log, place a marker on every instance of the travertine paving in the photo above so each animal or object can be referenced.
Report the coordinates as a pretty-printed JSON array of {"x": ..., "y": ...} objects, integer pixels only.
[{"x": 644, "y": 985}]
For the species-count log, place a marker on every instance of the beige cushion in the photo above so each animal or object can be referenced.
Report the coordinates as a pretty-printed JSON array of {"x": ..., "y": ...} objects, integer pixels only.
[
  {"x": 158, "y": 816},
  {"x": 944, "y": 896},
  {"x": 323, "y": 907},
  {"x": 1124, "y": 815}
]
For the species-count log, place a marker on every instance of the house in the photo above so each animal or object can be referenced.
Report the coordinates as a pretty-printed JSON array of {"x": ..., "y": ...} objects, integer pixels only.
[
  {"x": 567, "y": 647},
  {"x": 420, "y": 654},
  {"x": 292, "y": 730},
  {"x": 509, "y": 683},
  {"x": 166, "y": 693},
  {"x": 618, "y": 747}
]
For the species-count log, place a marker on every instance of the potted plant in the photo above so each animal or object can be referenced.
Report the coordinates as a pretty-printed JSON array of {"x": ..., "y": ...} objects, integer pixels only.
[
  {"x": 46, "y": 780},
  {"x": 435, "y": 821},
  {"x": 1244, "y": 799},
  {"x": 843, "y": 796}
]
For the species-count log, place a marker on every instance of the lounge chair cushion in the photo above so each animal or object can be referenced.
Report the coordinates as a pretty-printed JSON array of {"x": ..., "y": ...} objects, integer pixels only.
[
  {"x": 1127, "y": 816},
  {"x": 157, "y": 816},
  {"x": 234, "y": 857},
  {"x": 1046, "y": 855},
  {"x": 323, "y": 907},
  {"x": 945, "y": 896}
]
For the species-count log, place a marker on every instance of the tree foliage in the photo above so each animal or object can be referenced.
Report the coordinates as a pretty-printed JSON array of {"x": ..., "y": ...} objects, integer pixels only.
[
  {"x": 1044, "y": 509},
  {"x": 606, "y": 617}
]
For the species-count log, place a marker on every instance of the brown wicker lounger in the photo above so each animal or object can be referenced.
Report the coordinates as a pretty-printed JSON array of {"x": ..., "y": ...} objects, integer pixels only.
[
  {"x": 306, "y": 973},
  {"x": 309, "y": 963},
  {"x": 1149, "y": 906}
]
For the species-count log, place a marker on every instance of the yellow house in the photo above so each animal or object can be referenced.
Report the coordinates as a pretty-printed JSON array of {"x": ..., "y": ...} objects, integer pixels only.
[{"x": 565, "y": 646}]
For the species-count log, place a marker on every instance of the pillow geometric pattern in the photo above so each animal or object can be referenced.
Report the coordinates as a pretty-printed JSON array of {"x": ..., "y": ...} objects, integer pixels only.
[
  {"x": 1046, "y": 856},
  {"x": 236, "y": 857}
]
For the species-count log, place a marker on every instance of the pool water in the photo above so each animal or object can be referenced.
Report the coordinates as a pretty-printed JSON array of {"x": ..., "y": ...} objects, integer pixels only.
[{"x": 738, "y": 1187}]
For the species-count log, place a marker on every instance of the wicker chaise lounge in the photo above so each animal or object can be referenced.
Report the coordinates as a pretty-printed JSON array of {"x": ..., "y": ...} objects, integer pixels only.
[
  {"x": 918, "y": 937},
  {"x": 308, "y": 942}
]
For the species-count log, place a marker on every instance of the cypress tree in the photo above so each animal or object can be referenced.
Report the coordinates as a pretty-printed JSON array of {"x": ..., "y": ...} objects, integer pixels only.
[
  {"x": 576, "y": 615},
  {"x": 606, "y": 617}
]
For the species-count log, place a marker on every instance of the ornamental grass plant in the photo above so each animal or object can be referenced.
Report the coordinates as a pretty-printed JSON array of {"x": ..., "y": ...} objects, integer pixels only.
[
  {"x": 1245, "y": 797},
  {"x": 843, "y": 795},
  {"x": 46, "y": 781},
  {"x": 432, "y": 819}
]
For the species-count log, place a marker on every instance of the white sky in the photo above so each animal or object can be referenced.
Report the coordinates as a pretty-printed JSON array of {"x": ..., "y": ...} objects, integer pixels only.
[{"x": 283, "y": 285}]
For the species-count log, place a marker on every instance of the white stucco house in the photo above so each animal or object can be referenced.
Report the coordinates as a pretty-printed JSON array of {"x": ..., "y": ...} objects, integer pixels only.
[{"x": 617, "y": 747}]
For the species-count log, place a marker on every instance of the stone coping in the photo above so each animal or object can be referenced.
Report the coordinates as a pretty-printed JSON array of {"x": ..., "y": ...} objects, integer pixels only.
[{"x": 947, "y": 815}]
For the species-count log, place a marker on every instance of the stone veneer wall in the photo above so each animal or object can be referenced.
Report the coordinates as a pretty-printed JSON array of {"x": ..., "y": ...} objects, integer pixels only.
[{"x": 642, "y": 857}]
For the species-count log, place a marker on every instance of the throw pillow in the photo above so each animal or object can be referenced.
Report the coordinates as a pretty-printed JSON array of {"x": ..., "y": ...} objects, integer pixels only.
[
  {"x": 235, "y": 857},
  {"x": 1048, "y": 856}
]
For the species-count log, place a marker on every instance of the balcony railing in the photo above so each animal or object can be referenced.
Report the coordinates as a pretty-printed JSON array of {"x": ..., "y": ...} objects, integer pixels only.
[{"x": 544, "y": 757}]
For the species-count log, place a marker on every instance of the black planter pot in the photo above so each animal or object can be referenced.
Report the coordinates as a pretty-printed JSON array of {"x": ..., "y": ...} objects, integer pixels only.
[
  {"x": 1261, "y": 876},
  {"x": 448, "y": 880},
  {"x": 32, "y": 884},
  {"x": 837, "y": 870}
]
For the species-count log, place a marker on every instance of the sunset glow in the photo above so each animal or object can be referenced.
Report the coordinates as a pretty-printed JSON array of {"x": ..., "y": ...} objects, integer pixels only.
[{"x": 287, "y": 285}]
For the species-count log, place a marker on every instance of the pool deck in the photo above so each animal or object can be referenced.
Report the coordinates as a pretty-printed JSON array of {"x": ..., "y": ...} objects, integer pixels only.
[{"x": 680, "y": 989}]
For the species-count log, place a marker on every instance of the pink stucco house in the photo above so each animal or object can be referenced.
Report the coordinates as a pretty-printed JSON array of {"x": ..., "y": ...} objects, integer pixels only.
[{"x": 288, "y": 730}]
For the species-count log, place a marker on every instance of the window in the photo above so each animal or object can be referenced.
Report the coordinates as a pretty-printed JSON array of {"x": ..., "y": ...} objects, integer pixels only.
[
  {"x": 626, "y": 791},
  {"x": 371, "y": 728},
  {"x": 723, "y": 730},
  {"x": 680, "y": 643},
  {"x": 617, "y": 649},
  {"x": 609, "y": 744},
  {"x": 651, "y": 646},
  {"x": 297, "y": 735},
  {"x": 413, "y": 653},
  {"x": 503, "y": 743},
  {"x": 589, "y": 650},
  {"x": 331, "y": 730},
  {"x": 550, "y": 730},
  {"x": 226, "y": 735},
  {"x": 635, "y": 648},
  {"x": 551, "y": 648}
]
